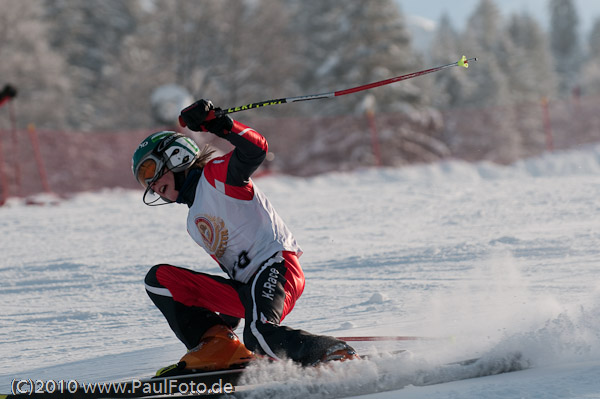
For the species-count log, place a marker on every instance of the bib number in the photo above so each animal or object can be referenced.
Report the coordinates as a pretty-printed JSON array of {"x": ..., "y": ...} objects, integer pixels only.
[{"x": 243, "y": 260}]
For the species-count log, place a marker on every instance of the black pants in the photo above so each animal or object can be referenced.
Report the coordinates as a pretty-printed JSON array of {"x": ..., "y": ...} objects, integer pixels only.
[{"x": 191, "y": 300}]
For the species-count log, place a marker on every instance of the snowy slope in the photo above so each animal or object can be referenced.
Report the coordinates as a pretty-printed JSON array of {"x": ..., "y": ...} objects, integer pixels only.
[{"x": 488, "y": 259}]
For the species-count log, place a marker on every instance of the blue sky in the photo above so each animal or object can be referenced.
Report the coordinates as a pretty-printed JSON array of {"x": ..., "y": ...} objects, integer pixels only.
[{"x": 460, "y": 10}]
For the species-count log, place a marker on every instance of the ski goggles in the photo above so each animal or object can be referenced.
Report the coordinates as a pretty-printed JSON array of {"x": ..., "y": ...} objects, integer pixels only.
[{"x": 147, "y": 172}]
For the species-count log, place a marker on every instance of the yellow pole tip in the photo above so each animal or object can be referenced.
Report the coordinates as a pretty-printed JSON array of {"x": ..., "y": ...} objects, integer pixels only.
[{"x": 463, "y": 62}]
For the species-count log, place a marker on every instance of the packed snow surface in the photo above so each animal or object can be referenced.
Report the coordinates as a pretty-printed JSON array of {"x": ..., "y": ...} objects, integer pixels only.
[{"x": 488, "y": 261}]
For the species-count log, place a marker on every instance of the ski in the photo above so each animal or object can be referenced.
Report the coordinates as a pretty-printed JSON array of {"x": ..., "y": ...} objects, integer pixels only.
[
  {"x": 224, "y": 383},
  {"x": 205, "y": 384},
  {"x": 173, "y": 383},
  {"x": 475, "y": 368}
]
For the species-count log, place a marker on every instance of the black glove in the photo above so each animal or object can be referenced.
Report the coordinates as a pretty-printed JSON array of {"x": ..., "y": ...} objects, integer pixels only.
[
  {"x": 8, "y": 91},
  {"x": 200, "y": 116},
  {"x": 221, "y": 126},
  {"x": 194, "y": 115}
]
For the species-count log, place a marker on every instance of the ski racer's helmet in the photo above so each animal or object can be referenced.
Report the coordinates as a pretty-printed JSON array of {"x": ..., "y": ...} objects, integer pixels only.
[{"x": 162, "y": 152}]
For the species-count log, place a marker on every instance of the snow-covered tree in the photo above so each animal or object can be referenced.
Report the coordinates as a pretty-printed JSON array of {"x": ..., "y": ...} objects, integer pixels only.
[
  {"x": 233, "y": 52},
  {"x": 485, "y": 38},
  {"x": 172, "y": 44},
  {"x": 591, "y": 69},
  {"x": 534, "y": 76},
  {"x": 496, "y": 137},
  {"x": 29, "y": 64},
  {"x": 564, "y": 42},
  {"x": 351, "y": 43},
  {"x": 451, "y": 87},
  {"x": 89, "y": 35},
  {"x": 594, "y": 40},
  {"x": 533, "y": 81}
]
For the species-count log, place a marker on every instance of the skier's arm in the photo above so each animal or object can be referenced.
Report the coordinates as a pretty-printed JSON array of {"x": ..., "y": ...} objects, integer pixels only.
[
  {"x": 250, "y": 146},
  {"x": 250, "y": 151}
]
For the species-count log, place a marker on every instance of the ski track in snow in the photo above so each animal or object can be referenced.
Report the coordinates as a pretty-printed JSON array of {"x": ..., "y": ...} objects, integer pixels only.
[{"x": 489, "y": 259}]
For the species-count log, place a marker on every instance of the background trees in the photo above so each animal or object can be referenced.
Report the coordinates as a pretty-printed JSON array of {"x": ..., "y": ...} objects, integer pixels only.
[
  {"x": 29, "y": 62},
  {"x": 94, "y": 65},
  {"x": 88, "y": 74},
  {"x": 591, "y": 70}
]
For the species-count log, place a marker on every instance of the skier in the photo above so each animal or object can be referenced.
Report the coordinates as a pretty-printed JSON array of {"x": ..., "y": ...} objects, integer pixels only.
[{"x": 235, "y": 223}]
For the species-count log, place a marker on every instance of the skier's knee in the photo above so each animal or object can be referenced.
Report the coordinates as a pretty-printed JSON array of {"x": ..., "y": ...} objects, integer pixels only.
[{"x": 151, "y": 278}]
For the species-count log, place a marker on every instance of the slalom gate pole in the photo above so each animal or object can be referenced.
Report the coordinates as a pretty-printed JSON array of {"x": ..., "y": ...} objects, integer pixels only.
[
  {"x": 15, "y": 147},
  {"x": 4, "y": 194},
  {"x": 39, "y": 161},
  {"x": 463, "y": 62}
]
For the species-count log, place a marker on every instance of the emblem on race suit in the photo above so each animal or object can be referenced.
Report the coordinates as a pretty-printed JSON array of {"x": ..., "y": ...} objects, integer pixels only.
[{"x": 214, "y": 234}]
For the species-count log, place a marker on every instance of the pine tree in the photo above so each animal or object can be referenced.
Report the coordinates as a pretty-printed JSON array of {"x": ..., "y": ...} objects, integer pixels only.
[
  {"x": 594, "y": 40},
  {"x": 260, "y": 63},
  {"x": 175, "y": 42},
  {"x": 29, "y": 64},
  {"x": 353, "y": 43},
  {"x": 486, "y": 37},
  {"x": 565, "y": 43},
  {"x": 451, "y": 87},
  {"x": 533, "y": 81},
  {"x": 591, "y": 68},
  {"x": 90, "y": 36},
  {"x": 382, "y": 42},
  {"x": 534, "y": 77},
  {"x": 231, "y": 52}
]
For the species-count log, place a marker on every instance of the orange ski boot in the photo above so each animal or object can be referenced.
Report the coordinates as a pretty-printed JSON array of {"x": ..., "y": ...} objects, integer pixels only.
[{"x": 219, "y": 349}]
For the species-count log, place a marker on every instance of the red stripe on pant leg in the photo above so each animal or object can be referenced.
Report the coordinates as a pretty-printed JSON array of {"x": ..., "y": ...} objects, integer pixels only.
[
  {"x": 199, "y": 289},
  {"x": 294, "y": 285}
]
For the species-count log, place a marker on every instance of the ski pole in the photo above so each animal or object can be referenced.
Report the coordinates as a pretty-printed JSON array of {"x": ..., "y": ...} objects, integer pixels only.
[
  {"x": 463, "y": 62},
  {"x": 387, "y": 338}
]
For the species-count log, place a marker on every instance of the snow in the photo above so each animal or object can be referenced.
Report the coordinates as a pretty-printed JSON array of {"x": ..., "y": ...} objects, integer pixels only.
[{"x": 485, "y": 260}]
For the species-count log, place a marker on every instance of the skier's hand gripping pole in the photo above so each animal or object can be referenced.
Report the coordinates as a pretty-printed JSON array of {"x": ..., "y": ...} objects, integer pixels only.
[{"x": 202, "y": 116}]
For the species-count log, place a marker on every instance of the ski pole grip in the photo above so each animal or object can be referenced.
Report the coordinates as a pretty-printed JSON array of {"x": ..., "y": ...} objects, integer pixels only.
[
  {"x": 211, "y": 115},
  {"x": 217, "y": 113}
]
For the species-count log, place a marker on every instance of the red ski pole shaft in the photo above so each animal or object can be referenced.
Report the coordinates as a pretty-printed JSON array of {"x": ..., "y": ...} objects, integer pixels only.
[
  {"x": 464, "y": 62},
  {"x": 386, "y": 338}
]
